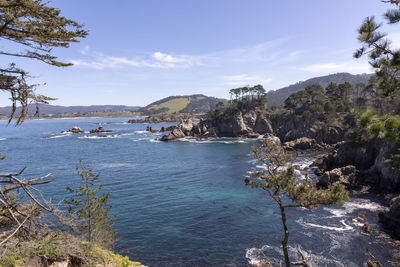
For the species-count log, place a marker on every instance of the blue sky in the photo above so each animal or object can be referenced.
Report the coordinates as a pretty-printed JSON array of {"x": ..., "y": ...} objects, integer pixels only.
[{"x": 139, "y": 51}]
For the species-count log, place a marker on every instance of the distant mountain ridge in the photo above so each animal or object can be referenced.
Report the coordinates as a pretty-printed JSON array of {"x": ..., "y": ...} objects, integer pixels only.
[
  {"x": 277, "y": 97},
  {"x": 182, "y": 104},
  {"x": 46, "y": 110}
]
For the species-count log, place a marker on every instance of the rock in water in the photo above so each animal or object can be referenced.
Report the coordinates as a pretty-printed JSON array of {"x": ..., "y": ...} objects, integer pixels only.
[
  {"x": 75, "y": 129},
  {"x": 181, "y": 130},
  {"x": 151, "y": 129},
  {"x": 100, "y": 130},
  {"x": 391, "y": 219}
]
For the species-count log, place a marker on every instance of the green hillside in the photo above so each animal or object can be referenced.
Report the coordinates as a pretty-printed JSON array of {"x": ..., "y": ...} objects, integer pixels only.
[
  {"x": 182, "y": 104},
  {"x": 277, "y": 97}
]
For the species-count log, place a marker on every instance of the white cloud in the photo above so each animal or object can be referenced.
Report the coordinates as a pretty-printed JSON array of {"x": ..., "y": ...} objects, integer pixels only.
[
  {"x": 270, "y": 52},
  {"x": 155, "y": 60},
  {"x": 351, "y": 66},
  {"x": 85, "y": 50},
  {"x": 244, "y": 79},
  {"x": 394, "y": 37}
]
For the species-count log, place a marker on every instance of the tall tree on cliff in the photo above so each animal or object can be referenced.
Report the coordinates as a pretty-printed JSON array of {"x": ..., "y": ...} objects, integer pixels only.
[
  {"x": 281, "y": 183},
  {"x": 386, "y": 62},
  {"x": 35, "y": 28},
  {"x": 38, "y": 28},
  {"x": 376, "y": 45}
]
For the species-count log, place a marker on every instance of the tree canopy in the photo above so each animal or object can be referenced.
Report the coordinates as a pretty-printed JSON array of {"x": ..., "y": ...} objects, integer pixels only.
[{"x": 37, "y": 28}]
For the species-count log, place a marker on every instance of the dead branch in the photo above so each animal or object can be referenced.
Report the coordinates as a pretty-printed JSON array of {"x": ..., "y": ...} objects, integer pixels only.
[
  {"x": 16, "y": 213},
  {"x": 304, "y": 262}
]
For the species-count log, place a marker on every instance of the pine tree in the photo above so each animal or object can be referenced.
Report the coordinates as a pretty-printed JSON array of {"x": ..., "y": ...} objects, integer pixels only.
[
  {"x": 386, "y": 85},
  {"x": 376, "y": 45},
  {"x": 280, "y": 182},
  {"x": 37, "y": 28},
  {"x": 91, "y": 209}
]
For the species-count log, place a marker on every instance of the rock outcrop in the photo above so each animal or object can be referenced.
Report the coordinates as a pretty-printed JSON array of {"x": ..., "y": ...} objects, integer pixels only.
[
  {"x": 371, "y": 161},
  {"x": 391, "y": 219},
  {"x": 303, "y": 143},
  {"x": 100, "y": 129},
  {"x": 345, "y": 175},
  {"x": 181, "y": 130},
  {"x": 74, "y": 130},
  {"x": 151, "y": 129}
]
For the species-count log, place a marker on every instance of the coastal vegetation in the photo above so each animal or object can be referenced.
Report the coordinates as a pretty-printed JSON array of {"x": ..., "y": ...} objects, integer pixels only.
[
  {"x": 38, "y": 28},
  {"x": 26, "y": 236},
  {"x": 356, "y": 124},
  {"x": 280, "y": 181},
  {"x": 189, "y": 104}
]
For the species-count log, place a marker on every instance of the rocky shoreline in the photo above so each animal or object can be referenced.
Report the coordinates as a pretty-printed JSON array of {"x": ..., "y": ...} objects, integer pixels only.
[{"x": 345, "y": 162}]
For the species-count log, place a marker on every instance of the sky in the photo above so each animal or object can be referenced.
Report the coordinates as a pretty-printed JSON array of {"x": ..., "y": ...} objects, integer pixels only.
[{"x": 139, "y": 51}]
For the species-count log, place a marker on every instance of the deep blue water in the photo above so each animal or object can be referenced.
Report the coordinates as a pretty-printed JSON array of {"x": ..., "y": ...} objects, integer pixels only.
[{"x": 184, "y": 203}]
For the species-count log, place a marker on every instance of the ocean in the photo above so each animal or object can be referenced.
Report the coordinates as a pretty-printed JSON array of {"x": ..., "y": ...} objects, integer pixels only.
[{"x": 185, "y": 203}]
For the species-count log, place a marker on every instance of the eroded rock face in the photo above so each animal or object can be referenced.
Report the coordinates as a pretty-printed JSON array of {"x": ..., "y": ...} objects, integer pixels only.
[
  {"x": 301, "y": 143},
  {"x": 175, "y": 134},
  {"x": 345, "y": 175},
  {"x": 262, "y": 126},
  {"x": 181, "y": 130},
  {"x": 371, "y": 161},
  {"x": 391, "y": 219}
]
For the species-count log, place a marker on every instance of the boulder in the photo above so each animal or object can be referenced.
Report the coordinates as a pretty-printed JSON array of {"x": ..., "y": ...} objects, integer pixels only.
[
  {"x": 151, "y": 129},
  {"x": 75, "y": 129},
  {"x": 345, "y": 175},
  {"x": 391, "y": 218},
  {"x": 181, "y": 130},
  {"x": 253, "y": 135},
  {"x": 100, "y": 129},
  {"x": 302, "y": 143},
  {"x": 186, "y": 127},
  {"x": 366, "y": 229},
  {"x": 175, "y": 134}
]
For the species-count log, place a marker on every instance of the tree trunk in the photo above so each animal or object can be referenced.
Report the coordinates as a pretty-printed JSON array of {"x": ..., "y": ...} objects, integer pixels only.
[{"x": 286, "y": 239}]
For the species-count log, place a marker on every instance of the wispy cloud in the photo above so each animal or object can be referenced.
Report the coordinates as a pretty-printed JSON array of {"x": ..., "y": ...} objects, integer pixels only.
[
  {"x": 155, "y": 60},
  {"x": 331, "y": 67},
  {"x": 244, "y": 79},
  {"x": 85, "y": 50},
  {"x": 270, "y": 52}
]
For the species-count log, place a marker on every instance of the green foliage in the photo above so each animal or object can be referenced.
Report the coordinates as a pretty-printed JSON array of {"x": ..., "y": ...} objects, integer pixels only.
[
  {"x": 46, "y": 249},
  {"x": 280, "y": 182},
  {"x": 244, "y": 100},
  {"x": 383, "y": 58},
  {"x": 38, "y": 28},
  {"x": 11, "y": 259},
  {"x": 171, "y": 106},
  {"x": 91, "y": 209},
  {"x": 98, "y": 254}
]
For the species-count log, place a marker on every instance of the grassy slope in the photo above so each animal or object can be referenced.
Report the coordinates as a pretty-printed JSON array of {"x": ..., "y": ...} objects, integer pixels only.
[{"x": 174, "y": 105}]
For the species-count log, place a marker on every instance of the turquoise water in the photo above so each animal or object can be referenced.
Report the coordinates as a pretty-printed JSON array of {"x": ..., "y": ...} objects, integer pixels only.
[{"x": 184, "y": 203}]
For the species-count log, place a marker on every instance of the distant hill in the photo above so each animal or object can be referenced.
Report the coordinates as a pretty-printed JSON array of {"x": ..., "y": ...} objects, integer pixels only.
[
  {"x": 277, "y": 97},
  {"x": 53, "y": 110},
  {"x": 182, "y": 104}
]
